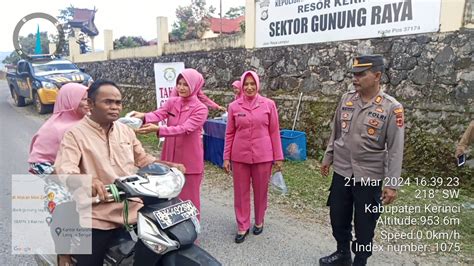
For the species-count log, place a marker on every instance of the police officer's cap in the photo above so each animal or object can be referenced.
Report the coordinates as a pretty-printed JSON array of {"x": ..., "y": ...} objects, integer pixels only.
[{"x": 366, "y": 62}]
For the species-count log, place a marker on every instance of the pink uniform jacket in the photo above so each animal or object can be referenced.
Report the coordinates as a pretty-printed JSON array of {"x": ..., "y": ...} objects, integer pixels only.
[
  {"x": 253, "y": 134},
  {"x": 186, "y": 116}
]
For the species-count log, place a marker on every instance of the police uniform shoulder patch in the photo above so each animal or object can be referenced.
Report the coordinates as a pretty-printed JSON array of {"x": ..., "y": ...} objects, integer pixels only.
[
  {"x": 400, "y": 121},
  {"x": 398, "y": 110},
  {"x": 346, "y": 97},
  {"x": 378, "y": 99},
  {"x": 399, "y": 116}
]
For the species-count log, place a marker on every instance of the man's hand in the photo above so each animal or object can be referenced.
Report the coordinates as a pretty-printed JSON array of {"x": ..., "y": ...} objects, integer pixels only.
[
  {"x": 98, "y": 189},
  {"x": 148, "y": 128},
  {"x": 180, "y": 167},
  {"x": 388, "y": 195},
  {"x": 278, "y": 166},
  {"x": 138, "y": 115},
  {"x": 458, "y": 153},
  {"x": 325, "y": 169},
  {"x": 222, "y": 108},
  {"x": 227, "y": 166}
]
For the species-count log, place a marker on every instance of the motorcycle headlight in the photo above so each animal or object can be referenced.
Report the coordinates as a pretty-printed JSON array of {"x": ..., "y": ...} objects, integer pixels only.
[
  {"x": 169, "y": 185},
  {"x": 153, "y": 237},
  {"x": 48, "y": 85}
]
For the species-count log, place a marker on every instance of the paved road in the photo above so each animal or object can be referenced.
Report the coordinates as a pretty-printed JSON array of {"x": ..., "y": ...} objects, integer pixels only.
[
  {"x": 286, "y": 240},
  {"x": 17, "y": 128}
]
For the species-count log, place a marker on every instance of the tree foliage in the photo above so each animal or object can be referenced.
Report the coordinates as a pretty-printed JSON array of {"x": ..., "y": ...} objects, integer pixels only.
[
  {"x": 129, "y": 42},
  {"x": 235, "y": 12},
  {"x": 66, "y": 15},
  {"x": 192, "y": 21},
  {"x": 28, "y": 44}
]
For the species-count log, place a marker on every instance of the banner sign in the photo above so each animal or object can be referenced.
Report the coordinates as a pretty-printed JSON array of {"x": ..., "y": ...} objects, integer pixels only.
[
  {"x": 290, "y": 22},
  {"x": 165, "y": 80}
]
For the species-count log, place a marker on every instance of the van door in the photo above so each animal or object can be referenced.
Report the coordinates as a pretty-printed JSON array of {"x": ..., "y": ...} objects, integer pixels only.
[{"x": 24, "y": 81}]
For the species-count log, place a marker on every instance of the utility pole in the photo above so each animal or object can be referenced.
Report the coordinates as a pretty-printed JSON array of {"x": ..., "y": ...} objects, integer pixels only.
[{"x": 221, "y": 16}]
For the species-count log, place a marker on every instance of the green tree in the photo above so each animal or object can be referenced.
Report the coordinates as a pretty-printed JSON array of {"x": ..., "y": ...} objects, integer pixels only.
[
  {"x": 66, "y": 15},
  {"x": 129, "y": 42},
  {"x": 28, "y": 44},
  {"x": 235, "y": 12},
  {"x": 192, "y": 21}
]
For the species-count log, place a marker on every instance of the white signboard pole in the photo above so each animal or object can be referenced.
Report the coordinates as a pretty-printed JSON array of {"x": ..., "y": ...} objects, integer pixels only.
[{"x": 165, "y": 80}]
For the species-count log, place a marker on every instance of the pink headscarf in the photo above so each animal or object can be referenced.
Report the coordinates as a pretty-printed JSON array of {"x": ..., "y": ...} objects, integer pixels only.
[
  {"x": 238, "y": 85},
  {"x": 250, "y": 101},
  {"x": 45, "y": 143},
  {"x": 195, "y": 82}
]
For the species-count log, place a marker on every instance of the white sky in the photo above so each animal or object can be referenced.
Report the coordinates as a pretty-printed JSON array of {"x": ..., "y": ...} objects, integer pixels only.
[{"x": 124, "y": 17}]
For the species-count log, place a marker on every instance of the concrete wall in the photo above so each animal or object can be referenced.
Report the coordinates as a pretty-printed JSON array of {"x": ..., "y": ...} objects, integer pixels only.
[
  {"x": 218, "y": 43},
  {"x": 90, "y": 57},
  {"x": 431, "y": 74},
  {"x": 145, "y": 51},
  {"x": 224, "y": 42}
]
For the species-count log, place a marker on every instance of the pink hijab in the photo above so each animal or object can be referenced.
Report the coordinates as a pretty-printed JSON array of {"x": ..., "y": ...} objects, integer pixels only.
[
  {"x": 45, "y": 143},
  {"x": 249, "y": 101},
  {"x": 195, "y": 82},
  {"x": 238, "y": 85}
]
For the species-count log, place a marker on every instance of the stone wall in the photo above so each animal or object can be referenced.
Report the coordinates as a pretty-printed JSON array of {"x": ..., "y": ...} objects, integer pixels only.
[{"x": 432, "y": 75}]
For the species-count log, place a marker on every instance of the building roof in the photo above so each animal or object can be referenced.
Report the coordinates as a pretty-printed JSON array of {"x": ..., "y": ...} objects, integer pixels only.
[
  {"x": 228, "y": 25},
  {"x": 84, "y": 19}
]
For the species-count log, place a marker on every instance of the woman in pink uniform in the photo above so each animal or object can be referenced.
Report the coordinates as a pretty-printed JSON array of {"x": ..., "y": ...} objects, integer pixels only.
[
  {"x": 252, "y": 145},
  {"x": 183, "y": 144},
  {"x": 236, "y": 86}
]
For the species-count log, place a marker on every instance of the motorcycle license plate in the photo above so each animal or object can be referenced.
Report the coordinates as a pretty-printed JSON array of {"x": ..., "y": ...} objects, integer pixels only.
[{"x": 176, "y": 213}]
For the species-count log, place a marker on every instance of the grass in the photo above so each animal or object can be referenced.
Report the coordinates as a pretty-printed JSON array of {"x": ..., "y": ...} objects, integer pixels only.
[{"x": 148, "y": 140}]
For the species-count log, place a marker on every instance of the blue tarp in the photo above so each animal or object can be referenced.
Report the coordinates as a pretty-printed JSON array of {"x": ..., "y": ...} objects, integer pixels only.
[{"x": 214, "y": 137}]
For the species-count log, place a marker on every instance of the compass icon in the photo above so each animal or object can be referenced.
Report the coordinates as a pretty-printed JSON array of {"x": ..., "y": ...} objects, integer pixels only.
[{"x": 19, "y": 25}]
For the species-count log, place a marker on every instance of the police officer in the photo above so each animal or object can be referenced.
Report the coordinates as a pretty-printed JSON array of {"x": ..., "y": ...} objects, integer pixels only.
[{"x": 366, "y": 151}]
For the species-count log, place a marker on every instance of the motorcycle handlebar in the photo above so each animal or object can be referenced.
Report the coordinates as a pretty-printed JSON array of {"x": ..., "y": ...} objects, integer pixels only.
[{"x": 110, "y": 196}]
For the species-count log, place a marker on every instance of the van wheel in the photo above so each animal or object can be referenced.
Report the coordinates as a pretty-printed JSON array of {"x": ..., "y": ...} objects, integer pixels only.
[
  {"x": 39, "y": 107},
  {"x": 19, "y": 100}
]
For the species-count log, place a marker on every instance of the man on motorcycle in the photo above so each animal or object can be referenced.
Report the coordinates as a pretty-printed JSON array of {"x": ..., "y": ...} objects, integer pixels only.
[{"x": 104, "y": 149}]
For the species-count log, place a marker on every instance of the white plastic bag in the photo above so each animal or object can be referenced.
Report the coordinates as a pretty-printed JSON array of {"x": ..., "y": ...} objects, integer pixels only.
[
  {"x": 133, "y": 122},
  {"x": 224, "y": 117},
  {"x": 278, "y": 183}
]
